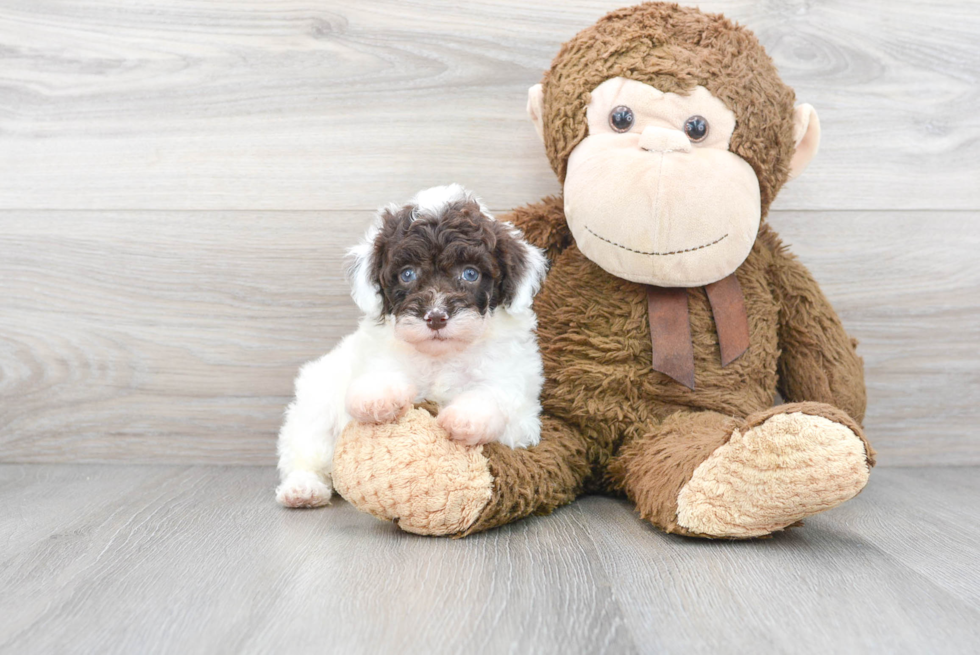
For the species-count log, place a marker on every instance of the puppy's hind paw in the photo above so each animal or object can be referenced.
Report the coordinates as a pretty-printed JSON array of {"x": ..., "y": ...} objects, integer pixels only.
[{"x": 303, "y": 489}]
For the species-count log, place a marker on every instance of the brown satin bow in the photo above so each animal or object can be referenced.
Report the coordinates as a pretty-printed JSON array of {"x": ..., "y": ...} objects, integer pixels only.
[{"x": 670, "y": 327}]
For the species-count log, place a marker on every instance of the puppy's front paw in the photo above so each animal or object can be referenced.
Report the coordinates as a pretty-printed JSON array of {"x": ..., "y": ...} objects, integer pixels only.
[
  {"x": 303, "y": 489},
  {"x": 472, "y": 421},
  {"x": 378, "y": 400}
]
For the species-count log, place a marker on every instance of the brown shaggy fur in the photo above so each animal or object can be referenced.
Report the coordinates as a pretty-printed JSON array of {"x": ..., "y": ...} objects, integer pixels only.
[
  {"x": 438, "y": 248},
  {"x": 624, "y": 428},
  {"x": 674, "y": 49},
  {"x": 611, "y": 423}
]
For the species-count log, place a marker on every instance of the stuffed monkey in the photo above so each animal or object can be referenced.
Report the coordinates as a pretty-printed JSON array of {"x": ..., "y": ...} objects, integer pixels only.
[{"x": 672, "y": 314}]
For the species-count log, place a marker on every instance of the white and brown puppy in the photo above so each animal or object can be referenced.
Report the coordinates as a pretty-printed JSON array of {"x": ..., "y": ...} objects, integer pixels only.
[{"x": 446, "y": 293}]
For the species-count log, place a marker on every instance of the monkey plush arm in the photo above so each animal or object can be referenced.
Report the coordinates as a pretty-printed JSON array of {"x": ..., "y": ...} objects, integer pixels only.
[
  {"x": 818, "y": 361},
  {"x": 543, "y": 224}
]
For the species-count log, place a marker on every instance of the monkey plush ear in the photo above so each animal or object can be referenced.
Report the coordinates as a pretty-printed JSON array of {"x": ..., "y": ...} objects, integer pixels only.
[
  {"x": 535, "y": 108},
  {"x": 806, "y": 133}
]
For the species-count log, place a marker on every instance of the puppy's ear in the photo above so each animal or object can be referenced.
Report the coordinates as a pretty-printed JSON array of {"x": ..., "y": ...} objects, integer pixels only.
[
  {"x": 366, "y": 261},
  {"x": 523, "y": 268}
]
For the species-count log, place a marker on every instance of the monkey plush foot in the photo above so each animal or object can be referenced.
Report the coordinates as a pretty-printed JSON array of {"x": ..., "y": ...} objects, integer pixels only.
[
  {"x": 412, "y": 473},
  {"x": 774, "y": 472}
]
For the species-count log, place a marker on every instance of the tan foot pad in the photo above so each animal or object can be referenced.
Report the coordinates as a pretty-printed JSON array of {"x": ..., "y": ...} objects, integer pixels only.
[
  {"x": 411, "y": 472},
  {"x": 789, "y": 467}
]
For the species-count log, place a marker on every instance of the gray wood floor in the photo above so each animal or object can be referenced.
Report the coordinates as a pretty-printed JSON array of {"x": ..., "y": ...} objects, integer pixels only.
[{"x": 180, "y": 559}]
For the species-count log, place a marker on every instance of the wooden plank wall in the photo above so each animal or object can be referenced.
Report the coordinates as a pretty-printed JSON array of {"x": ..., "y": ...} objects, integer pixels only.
[{"x": 178, "y": 181}]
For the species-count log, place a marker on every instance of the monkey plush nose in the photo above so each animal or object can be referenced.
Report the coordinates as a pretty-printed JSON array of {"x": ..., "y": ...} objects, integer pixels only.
[
  {"x": 663, "y": 140},
  {"x": 436, "y": 319}
]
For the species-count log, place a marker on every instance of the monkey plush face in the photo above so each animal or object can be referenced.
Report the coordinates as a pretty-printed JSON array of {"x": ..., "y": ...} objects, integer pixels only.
[
  {"x": 653, "y": 194},
  {"x": 671, "y": 134}
]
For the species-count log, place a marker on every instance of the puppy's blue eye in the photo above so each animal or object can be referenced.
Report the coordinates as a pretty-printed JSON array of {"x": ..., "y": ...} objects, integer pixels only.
[
  {"x": 470, "y": 274},
  {"x": 408, "y": 275}
]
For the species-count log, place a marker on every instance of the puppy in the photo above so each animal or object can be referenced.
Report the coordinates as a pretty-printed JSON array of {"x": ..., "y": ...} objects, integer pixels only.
[{"x": 446, "y": 293}]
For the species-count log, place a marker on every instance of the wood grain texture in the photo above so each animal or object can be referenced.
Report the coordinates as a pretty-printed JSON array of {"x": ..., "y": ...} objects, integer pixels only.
[
  {"x": 907, "y": 286},
  {"x": 174, "y": 337},
  {"x": 187, "y": 104},
  {"x": 203, "y": 560},
  {"x": 165, "y": 337},
  {"x": 834, "y": 586},
  {"x": 121, "y": 559}
]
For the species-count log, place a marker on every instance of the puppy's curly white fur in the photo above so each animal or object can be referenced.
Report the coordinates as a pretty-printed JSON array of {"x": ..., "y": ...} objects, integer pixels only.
[{"x": 446, "y": 292}]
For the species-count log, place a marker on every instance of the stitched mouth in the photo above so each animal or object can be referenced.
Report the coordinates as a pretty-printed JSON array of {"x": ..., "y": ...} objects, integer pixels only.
[{"x": 656, "y": 254}]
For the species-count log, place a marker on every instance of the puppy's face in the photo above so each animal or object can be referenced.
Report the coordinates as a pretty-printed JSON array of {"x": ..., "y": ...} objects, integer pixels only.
[{"x": 441, "y": 273}]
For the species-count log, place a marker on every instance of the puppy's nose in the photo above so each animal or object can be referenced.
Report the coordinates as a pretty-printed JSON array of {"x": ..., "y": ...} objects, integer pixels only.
[
  {"x": 661, "y": 139},
  {"x": 436, "y": 319}
]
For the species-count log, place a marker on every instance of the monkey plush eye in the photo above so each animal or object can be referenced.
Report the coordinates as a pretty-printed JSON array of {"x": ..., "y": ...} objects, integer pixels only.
[
  {"x": 470, "y": 274},
  {"x": 621, "y": 118},
  {"x": 408, "y": 275},
  {"x": 696, "y": 128}
]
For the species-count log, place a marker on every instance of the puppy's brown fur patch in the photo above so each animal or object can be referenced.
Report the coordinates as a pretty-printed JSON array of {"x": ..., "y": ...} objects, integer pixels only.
[{"x": 439, "y": 249}]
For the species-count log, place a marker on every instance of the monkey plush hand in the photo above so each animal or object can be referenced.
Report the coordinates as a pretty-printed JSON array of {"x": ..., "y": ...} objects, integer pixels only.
[{"x": 672, "y": 314}]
